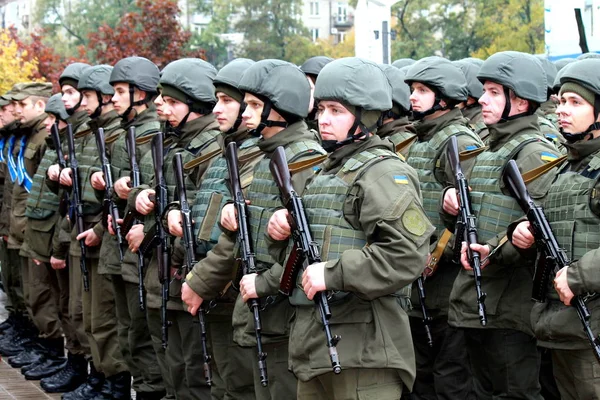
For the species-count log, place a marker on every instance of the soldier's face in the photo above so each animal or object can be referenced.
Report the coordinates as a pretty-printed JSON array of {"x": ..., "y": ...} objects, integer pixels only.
[
  {"x": 492, "y": 102},
  {"x": 27, "y": 109},
  {"x": 89, "y": 101},
  {"x": 254, "y": 108},
  {"x": 574, "y": 113},
  {"x": 422, "y": 98},
  {"x": 49, "y": 121},
  {"x": 334, "y": 120},
  {"x": 160, "y": 104},
  {"x": 7, "y": 114},
  {"x": 121, "y": 97},
  {"x": 70, "y": 96},
  {"x": 174, "y": 110},
  {"x": 226, "y": 111}
]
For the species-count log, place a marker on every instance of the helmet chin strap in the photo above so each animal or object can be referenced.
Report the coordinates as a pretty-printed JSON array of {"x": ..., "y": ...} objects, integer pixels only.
[
  {"x": 576, "y": 137},
  {"x": 239, "y": 120},
  {"x": 332, "y": 145},
  {"x": 72, "y": 110},
  {"x": 265, "y": 122},
  {"x": 419, "y": 115},
  {"x": 508, "y": 106},
  {"x": 133, "y": 103},
  {"x": 98, "y": 109}
]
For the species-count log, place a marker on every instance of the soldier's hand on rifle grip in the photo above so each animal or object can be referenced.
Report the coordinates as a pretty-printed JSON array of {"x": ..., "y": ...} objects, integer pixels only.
[
  {"x": 229, "y": 217},
  {"x": 109, "y": 222},
  {"x": 97, "y": 180},
  {"x": 522, "y": 236},
  {"x": 54, "y": 172},
  {"x": 135, "y": 236},
  {"x": 248, "y": 287},
  {"x": 313, "y": 279},
  {"x": 65, "y": 177},
  {"x": 91, "y": 239},
  {"x": 279, "y": 228},
  {"x": 175, "y": 223},
  {"x": 191, "y": 299},
  {"x": 143, "y": 204},
  {"x": 561, "y": 284},
  {"x": 451, "y": 202},
  {"x": 483, "y": 250},
  {"x": 122, "y": 187}
]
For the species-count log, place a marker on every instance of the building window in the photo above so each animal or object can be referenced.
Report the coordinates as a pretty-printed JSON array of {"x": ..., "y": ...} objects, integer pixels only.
[
  {"x": 314, "y": 33},
  {"x": 342, "y": 12},
  {"x": 314, "y": 8},
  {"x": 341, "y": 37}
]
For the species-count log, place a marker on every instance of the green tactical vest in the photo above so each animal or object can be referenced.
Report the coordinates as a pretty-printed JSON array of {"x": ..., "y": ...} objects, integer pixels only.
[
  {"x": 400, "y": 137},
  {"x": 478, "y": 127},
  {"x": 119, "y": 156},
  {"x": 264, "y": 197},
  {"x": 567, "y": 207},
  {"x": 494, "y": 210},
  {"x": 41, "y": 202},
  {"x": 210, "y": 199},
  {"x": 324, "y": 202},
  {"x": 88, "y": 158},
  {"x": 425, "y": 158}
]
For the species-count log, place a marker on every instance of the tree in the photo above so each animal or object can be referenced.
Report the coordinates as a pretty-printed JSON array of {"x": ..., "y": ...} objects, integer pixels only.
[
  {"x": 154, "y": 32},
  {"x": 299, "y": 48},
  {"x": 15, "y": 64}
]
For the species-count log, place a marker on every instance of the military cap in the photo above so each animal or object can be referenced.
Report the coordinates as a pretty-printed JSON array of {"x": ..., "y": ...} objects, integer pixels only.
[
  {"x": 440, "y": 74},
  {"x": 56, "y": 107},
  {"x": 41, "y": 89},
  {"x": 96, "y": 78}
]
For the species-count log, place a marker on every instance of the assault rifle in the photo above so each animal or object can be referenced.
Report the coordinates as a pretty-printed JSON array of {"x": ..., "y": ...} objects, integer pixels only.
[
  {"x": 63, "y": 206},
  {"x": 77, "y": 205},
  {"x": 246, "y": 254},
  {"x": 189, "y": 245},
  {"x": 130, "y": 218},
  {"x": 552, "y": 257},
  {"x": 466, "y": 225},
  {"x": 305, "y": 251},
  {"x": 426, "y": 317},
  {"x": 109, "y": 206}
]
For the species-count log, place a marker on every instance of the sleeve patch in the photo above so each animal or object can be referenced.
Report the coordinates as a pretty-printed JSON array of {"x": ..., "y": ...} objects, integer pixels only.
[
  {"x": 401, "y": 179},
  {"x": 414, "y": 221},
  {"x": 545, "y": 156},
  {"x": 471, "y": 147}
]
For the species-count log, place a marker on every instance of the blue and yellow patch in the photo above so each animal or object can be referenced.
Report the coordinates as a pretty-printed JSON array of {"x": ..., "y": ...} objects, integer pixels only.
[
  {"x": 545, "y": 156},
  {"x": 471, "y": 147},
  {"x": 401, "y": 179}
]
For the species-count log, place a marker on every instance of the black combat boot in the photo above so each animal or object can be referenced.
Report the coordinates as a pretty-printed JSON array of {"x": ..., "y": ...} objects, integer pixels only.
[
  {"x": 69, "y": 378},
  {"x": 31, "y": 355},
  {"x": 88, "y": 390},
  {"x": 18, "y": 343},
  {"x": 8, "y": 323},
  {"x": 52, "y": 361}
]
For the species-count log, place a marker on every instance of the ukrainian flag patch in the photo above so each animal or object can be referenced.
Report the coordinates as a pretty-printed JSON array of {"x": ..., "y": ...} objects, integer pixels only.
[
  {"x": 548, "y": 156},
  {"x": 401, "y": 179}
]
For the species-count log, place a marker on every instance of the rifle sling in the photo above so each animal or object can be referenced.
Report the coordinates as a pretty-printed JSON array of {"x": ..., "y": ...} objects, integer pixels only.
[
  {"x": 437, "y": 253},
  {"x": 535, "y": 173},
  {"x": 203, "y": 158}
]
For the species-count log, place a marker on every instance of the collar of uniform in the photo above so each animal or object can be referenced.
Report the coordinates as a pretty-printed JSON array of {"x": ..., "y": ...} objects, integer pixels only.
[
  {"x": 195, "y": 127},
  {"x": 427, "y": 128},
  {"x": 149, "y": 114},
  {"x": 294, "y": 133},
  {"x": 106, "y": 121},
  {"x": 397, "y": 125},
  {"x": 78, "y": 119},
  {"x": 471, "y": 113},
  {"x": 34, "y": 124},
  {"x": 503, "y": 132},
  {"x": 238, "y": 137},
  {"x": 582, "y": 149},
  {"x": 337, "y": 159}
]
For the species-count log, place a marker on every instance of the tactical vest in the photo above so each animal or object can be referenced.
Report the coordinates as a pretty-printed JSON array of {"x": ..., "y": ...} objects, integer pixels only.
[
  {"x": 41, "y": 202},
  {"x": 494, "y": 210},
  {"x": 120, "y": 158},
  {"x": 478, "y": 127},
  {"x": 567, "y": 207},
  {"x": 400, "y": 137},
  {"x": 88, "y": 159},
  {"x": 324, "y": 202},
  {"x": 425, "y": 158},
  {"x": 264, "y": 197}
]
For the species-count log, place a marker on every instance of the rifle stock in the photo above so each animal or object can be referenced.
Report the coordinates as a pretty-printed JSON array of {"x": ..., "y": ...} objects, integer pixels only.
[{"x": 63, "y": 207}]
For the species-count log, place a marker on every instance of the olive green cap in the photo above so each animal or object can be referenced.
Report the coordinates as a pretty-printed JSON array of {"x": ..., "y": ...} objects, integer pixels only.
[
  {"x": 400, "y": 90},
  {"x": 96, "y": 78},
  {"x": 560, "y": 64},
  {"x": 520, "y": 72},
  {"x": 549, "y": 69},
  {"x": 283, "y": 83},
  {"x": 137, "y": 71},
  {"x": 314, "y": 65},
  {"x": 440, "y": 74},
  {"x": 470, "y": 70},
  {"x": 56, "y": 107},
  {"x": 585, "y": 73},
  {"x": 228, "y": 78},
  {"x": 403, "y": 62},
  {"x": 72, "y": 74},
  {"x": 17, "y": 87},
  {"x": 40, "y": 89}
]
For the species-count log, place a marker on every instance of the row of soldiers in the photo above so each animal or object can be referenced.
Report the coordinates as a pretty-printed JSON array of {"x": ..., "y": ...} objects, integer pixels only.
[{"x": 150, "y": 234}]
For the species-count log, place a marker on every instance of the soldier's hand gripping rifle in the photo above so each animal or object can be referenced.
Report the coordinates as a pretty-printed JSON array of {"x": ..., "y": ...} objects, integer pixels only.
[
  {"x": 130, "y": 219},
  {"x": 305, "y": 251},
  {"x": 189, "y": 245},
  {"x": 109, "y": 205},
  {"x": 63, "y": 207},
  {"x": 466, "y": 225},
  {"x": 77, "y": 205},
  {"x": 552, "y": 257},
  {"x": 248, "y": 262}
]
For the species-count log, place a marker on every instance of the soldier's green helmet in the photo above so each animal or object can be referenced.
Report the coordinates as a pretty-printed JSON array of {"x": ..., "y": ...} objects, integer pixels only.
[
  {"x": 585, "y": 56},
  {"x": 470, "y": 70},
  {"x": 583, "y": 78},
  {"x": 442, "y": 77},
  {"x": 400, "y": 92},
  {"x": 520, "y": 72},
  {"x": 136, "y": 72},
  {"x": 403, "y": 62},
  {"x": 313, "y": 66},
  {"x": 282, "y": 86},
  {"x": 96, "y": 79},
  {"x": 56, "y": 107},
  {"x": 227, "y": 81},
  {"x": 550, "y": 70},
  {"x": 345, "y": 81},
  {"x": 478, "y": 62},
  {"x": 560, "y": 64},
  {"x": 70, "y": 76}
]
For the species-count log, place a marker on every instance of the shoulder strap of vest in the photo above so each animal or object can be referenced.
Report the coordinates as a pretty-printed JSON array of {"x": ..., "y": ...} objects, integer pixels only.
[
  {"x": 203, "y": 158},
  {"x": 468, "y": 154},
  {"x": 303, "y": 148},
  {"x": 82, "y": 133},
  {"x": 358, "y": 164},
  {"x": 149, "y": 126},
  {"x": 250, "y": 142},
  {"x": 535, "y": 173},
  {"x": 247, "y": 157},
  {"x": 441, "y": 137},
  {"x": 405, "y": 144},
  {"x": 201, "y": 141},
  {"x": 514, "y": 146},
  {"x": 299, "y": 166},
  {"x": 145, "y": 139}
]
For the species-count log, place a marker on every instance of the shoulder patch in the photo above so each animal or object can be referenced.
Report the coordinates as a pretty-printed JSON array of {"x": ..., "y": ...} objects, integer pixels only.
[
  {"x": 546, "y": 156},
  {"x": 414, "y": 221},
  {"x": 401, "y": 179}
]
